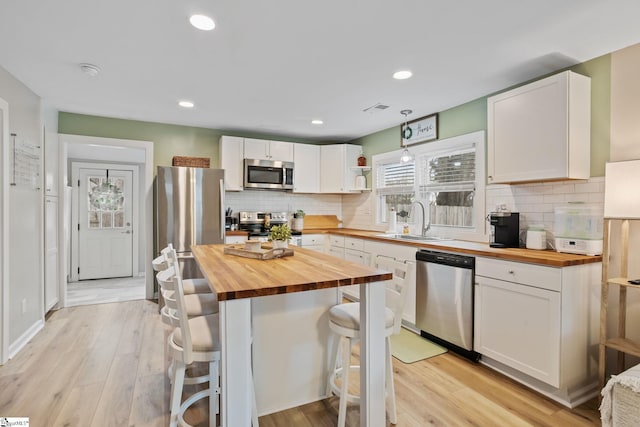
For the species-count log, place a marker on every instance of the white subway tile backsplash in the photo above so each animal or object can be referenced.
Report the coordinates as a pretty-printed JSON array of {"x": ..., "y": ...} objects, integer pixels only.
[
  {"x": 536, "y": 201},
  {"x": 591, "y": 187},
  {"x": 529, "y": 199},
  {"x": 315, "y": 204},
  {"x": 553, "y": 199},
  {"x": 559, "y": 188}
]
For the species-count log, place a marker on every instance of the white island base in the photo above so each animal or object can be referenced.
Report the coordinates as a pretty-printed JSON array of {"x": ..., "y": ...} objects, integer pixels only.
[{"x": 291, "y": 352}]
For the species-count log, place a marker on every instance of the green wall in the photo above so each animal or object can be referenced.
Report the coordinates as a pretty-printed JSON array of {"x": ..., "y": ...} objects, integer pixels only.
[
  {"x": 472, "y": 116},
  {"x": 168, "y": 140}
]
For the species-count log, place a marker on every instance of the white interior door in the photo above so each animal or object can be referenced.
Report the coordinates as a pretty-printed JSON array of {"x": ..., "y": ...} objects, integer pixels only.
[{"x": 105, "y": 231}]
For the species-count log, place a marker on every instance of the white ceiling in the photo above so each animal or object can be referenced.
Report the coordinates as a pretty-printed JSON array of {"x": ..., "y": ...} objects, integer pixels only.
[{"x": 270, "y": 67}]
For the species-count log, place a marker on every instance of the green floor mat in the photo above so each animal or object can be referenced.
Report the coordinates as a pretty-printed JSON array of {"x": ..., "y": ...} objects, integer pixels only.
[{"x": 409, "y": 347}]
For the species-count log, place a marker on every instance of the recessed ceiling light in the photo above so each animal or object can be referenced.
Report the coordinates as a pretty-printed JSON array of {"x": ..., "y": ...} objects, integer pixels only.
[
  {"x": 202, "y": 22},
  {"x": 186, "y": 104},
  {"x": 317, "y": 122},
  {"x": 401, "y": 75},
  {"x": 90, "y": 69}
]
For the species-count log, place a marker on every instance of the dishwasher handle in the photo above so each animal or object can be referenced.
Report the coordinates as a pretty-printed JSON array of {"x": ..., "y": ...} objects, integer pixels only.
[{"x": 445, "y": 258}]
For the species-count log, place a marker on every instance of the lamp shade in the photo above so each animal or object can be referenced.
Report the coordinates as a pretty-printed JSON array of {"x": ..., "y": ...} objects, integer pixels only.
[{"x": 622, "y": 190}]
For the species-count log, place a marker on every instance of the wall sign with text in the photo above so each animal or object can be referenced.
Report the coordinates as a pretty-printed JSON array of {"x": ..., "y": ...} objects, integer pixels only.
[{"x": 419, "y": 130}]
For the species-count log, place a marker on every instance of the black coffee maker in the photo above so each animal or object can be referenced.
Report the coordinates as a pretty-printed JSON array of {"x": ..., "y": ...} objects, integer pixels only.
[{"x": 506, "y": 229}]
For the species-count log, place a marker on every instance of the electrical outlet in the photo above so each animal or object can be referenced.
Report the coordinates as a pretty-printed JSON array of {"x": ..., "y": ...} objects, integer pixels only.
[{"x": 24, "y": 305}]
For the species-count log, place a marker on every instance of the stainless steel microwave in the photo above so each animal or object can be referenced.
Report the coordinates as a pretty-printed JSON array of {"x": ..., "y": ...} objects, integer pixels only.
[{"x": 268, "y": 174}]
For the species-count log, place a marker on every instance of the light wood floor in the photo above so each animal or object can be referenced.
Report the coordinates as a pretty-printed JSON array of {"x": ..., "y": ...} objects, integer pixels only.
[
  {"x": 104, "y": 365},
  {"x": 105, "y": 290}
]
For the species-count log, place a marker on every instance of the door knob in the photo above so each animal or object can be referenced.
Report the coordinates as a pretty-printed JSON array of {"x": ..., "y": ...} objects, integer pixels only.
[{"x": 126, "y": 232}]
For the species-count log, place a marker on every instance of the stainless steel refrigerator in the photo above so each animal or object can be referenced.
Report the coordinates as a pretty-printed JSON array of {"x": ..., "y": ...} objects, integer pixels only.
[{"x": 190, "y": 211}]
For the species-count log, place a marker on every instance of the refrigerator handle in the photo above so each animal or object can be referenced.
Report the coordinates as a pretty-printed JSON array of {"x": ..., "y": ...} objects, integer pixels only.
[{"x": 222, "y": 218}]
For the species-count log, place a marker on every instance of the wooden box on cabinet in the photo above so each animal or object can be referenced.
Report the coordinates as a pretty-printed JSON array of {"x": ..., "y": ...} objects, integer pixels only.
[{"x": 540, "y": 131}]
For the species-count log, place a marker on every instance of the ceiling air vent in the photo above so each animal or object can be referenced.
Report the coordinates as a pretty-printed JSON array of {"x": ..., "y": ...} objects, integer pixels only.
[{"x": 376, "y": 108}]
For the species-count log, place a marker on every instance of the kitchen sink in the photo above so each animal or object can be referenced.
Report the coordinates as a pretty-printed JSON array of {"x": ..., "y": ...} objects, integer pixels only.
[{"x": 411, "y": 237}]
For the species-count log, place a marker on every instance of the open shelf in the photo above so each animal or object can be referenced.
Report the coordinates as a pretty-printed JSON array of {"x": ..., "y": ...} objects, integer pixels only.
[
  {"x": 625, "y": 345},
  {"x": 619, "y": 343}
]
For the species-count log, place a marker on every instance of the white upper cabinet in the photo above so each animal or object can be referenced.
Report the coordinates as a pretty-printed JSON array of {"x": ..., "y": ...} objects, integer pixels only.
[
  {"x": 51, "y": 294},
  {"x": 540, "y": 131},
  {"x": 336, "y": 167},
  {"x": 263, "y": 149},
  {"x": 50, "y": 163},
  {"x": 231, "y": 160},
  {"x": 280, "y": 150},
  {"x": 306, "y": 159}
]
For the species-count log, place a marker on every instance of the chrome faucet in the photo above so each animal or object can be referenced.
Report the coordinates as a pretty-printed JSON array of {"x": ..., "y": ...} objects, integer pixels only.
[{"x": 423, "y": 228}]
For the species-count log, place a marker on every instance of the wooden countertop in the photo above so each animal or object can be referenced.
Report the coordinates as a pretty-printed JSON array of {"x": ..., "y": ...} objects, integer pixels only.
[
  {"x": 235, "y": 277},
  {"x": 547, "y": 257},
  {"x": 235, "y": 233}
]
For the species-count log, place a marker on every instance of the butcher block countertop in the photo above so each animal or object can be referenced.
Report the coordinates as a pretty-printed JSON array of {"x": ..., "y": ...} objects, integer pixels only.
[
  {"x": 548, "y": 257},
  {"x": 235, "y": 277}
]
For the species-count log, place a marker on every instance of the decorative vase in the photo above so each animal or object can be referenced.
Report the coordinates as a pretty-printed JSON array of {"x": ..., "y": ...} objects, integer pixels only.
[
  {"x": 277, "y": 244},
  {"x": 298, "y": 224},
  {"x": 362, "y": 160}
]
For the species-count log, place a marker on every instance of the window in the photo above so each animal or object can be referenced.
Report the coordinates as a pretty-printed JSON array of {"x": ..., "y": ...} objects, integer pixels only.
[
  {"x": 447, "y": 183},
  {"x": 447, "y": 176},
  {"x": 396, "y": 189}
]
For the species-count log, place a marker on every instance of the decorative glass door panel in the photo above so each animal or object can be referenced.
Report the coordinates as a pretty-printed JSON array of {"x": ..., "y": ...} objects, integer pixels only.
[
  {"x": 105, "y": 202},
  {"x": 105, "y": 233}
]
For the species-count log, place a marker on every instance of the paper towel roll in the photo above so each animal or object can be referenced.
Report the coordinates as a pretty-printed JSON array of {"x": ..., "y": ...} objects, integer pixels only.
[{"x": 393, "y": 221}]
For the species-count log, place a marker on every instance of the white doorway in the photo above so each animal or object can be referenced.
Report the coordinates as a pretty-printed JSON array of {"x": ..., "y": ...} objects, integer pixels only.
[
  {"x": 4, "y": 231},
  {"x": 98, "y": 152},
  {"x": 105, "y": 219}
]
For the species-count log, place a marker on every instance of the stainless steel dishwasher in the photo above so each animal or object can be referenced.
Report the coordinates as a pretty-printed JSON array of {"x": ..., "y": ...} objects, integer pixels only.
[{"x": 444, "y": 300}]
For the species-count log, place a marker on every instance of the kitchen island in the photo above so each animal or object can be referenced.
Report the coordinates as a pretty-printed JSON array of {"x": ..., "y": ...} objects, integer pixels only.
[{"x": 275, "y": 308}]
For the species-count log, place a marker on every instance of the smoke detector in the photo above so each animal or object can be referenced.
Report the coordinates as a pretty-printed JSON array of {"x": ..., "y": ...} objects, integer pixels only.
[{"x": 90, "y": 69}]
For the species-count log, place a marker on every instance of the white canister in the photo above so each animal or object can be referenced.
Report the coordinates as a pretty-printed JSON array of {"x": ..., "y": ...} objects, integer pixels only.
[
  {"x": 536, "y": 237},
  {"x": 252, "y": 245},
  {"x": 361, "y": 182}
]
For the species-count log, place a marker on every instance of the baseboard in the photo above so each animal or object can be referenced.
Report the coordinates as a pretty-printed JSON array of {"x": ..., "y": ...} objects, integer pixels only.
[
  {"x": 22, "y": 341},
  {"x": 569, "y": 398}
]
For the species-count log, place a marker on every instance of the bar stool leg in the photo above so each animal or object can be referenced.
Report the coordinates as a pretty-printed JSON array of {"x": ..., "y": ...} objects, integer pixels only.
[
  {"x": 334, "y": 351},
  {"x": 391, "y": 391},
  {"x": 176, "y": 392},
  {"x": 346, "y": 365}
]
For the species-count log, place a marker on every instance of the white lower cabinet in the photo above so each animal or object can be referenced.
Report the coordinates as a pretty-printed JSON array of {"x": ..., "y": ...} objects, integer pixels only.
[
  {"x": 401, "y": 253},
  {"x": 235, "y": 239},
  {"x": 336, "y": 245},
  {"x": 315, "y": 242},
  {"x": 359, "y": 257},
  {"x": 538, "y": 325},
  {"x": 351, "y": 249},
  {"x": 529, "y": 341}
]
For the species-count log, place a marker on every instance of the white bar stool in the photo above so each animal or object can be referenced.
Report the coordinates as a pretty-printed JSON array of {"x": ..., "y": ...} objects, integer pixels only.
[
  {"x": 191, "y": 286},
  {"x": 344, "y": 322},
  {"x": 194, "y": 340}
]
